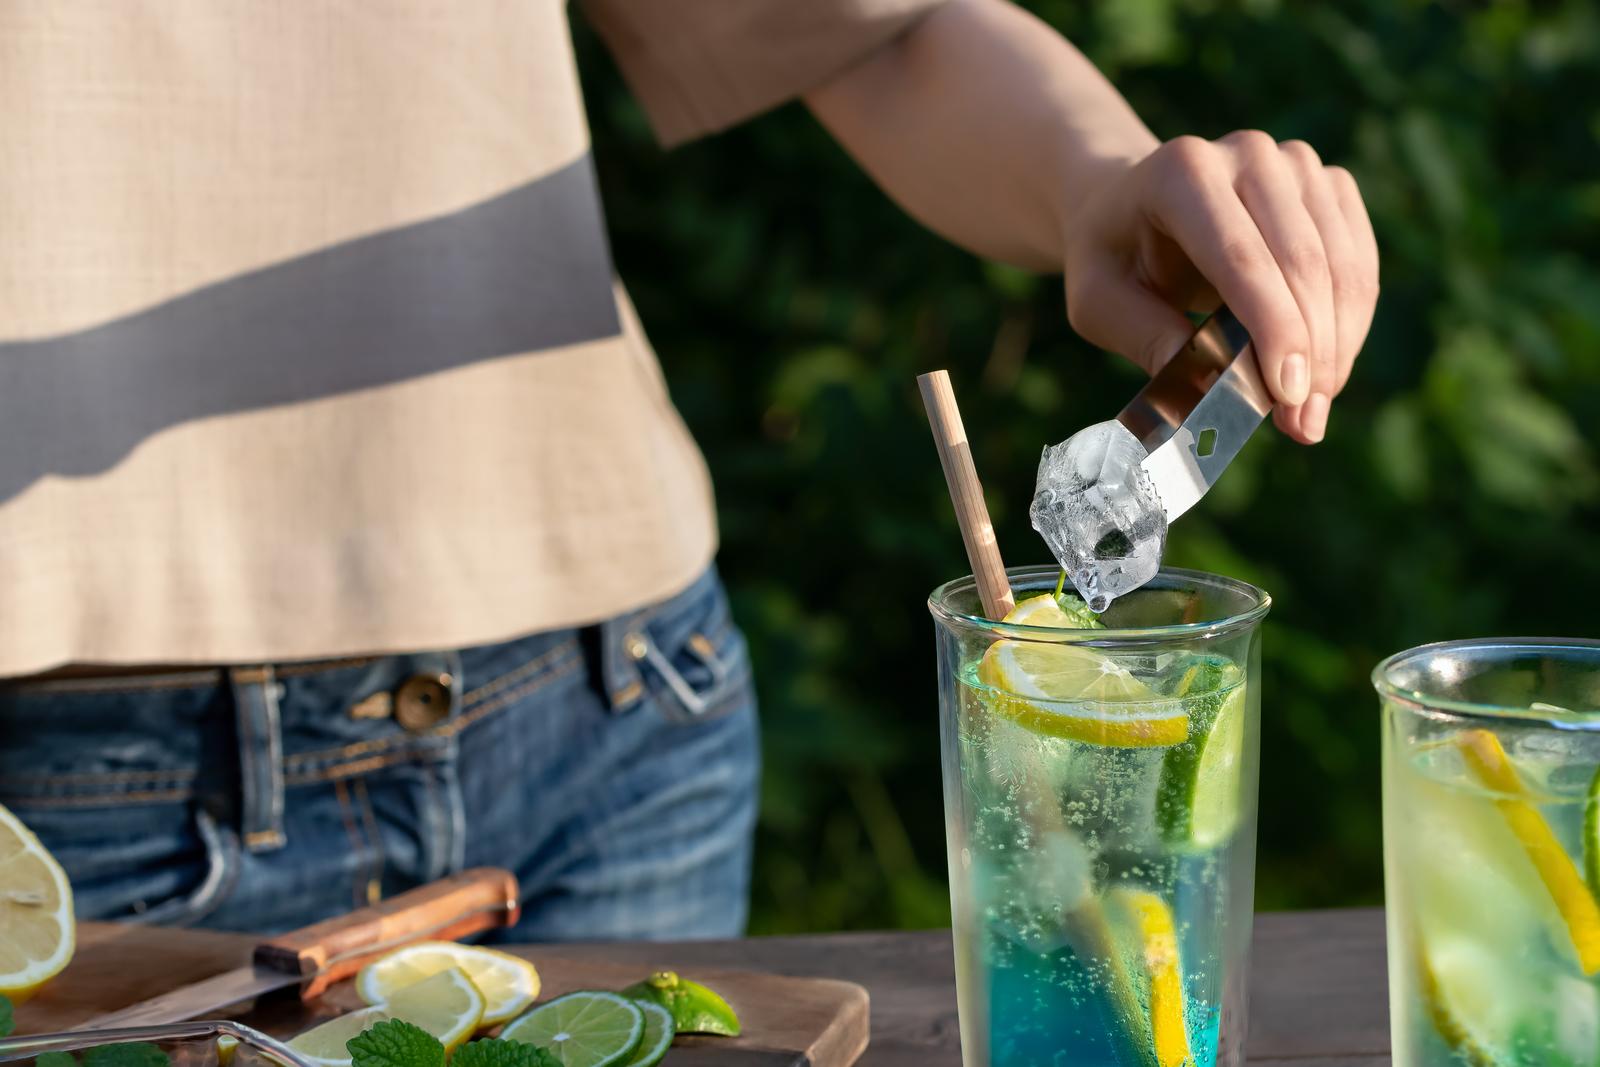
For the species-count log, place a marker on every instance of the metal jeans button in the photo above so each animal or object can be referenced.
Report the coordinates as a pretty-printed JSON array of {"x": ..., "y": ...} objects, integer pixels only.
[{"x": 423, "y": 701}]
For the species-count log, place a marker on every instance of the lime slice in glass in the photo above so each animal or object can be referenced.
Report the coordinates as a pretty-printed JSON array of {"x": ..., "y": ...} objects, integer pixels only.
[
  {"x": 584, "y": 1029},
  {"x": 659, "y": 1030},
  {"x": 1197, "y": 802}
]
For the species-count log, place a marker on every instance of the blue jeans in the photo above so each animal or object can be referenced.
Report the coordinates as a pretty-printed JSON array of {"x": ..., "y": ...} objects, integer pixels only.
[{"x": 613, "y": 768}]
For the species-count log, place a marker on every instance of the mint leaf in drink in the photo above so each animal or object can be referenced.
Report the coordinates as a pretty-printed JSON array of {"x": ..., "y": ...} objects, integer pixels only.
[
  {"x": 126, "y": 1054},
  {"x": 7, "y": 1023},
  {"x": 395, "y": 1043},
  {"x": 496, "y": 1052},
  {"x": 54, "y": 1059}
]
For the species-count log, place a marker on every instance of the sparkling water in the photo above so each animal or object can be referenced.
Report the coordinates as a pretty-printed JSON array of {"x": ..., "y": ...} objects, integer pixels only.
[
  {"x": 1052, "y": 833},
  {"x": 1097, "y": 509},
  {"x": 1494, "y": 934}
]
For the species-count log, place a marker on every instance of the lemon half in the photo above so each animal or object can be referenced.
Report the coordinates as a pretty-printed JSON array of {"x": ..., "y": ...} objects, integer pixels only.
[
  {"x": 36, "y": 923},
  {"x": 509, "y": 984}
]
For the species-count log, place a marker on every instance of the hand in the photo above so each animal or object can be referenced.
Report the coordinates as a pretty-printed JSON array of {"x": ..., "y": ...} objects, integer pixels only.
[{"x": 1264, "y": 227}]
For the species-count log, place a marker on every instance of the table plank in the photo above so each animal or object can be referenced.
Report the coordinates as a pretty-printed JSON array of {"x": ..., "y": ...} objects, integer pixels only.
[{"x": 1318, "y": 985}]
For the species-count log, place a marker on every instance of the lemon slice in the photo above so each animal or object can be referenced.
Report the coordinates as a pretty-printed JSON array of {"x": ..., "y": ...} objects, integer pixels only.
[
  {"x": 1069, "y": 691},
  {"x": 508, "y": 983},
  {"x": 1146, "y": 918},
  {"x": 36, "y": 923},
  {"x": 1487, "y": 761},
  {"x": 446, "y": 1005}
]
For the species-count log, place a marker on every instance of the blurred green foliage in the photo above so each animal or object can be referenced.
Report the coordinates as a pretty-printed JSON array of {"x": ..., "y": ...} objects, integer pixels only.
[{"x": 1457, "y": 493}]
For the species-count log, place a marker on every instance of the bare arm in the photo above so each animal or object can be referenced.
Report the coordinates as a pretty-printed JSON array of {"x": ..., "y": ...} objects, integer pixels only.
[{"x": 993, "y": 130}]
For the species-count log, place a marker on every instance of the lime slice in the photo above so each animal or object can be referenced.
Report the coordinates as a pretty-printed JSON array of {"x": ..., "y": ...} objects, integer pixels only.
[
  {"x": 1197, "y": 802},
  {"x": 1591, "y": 835},
  {"x": 695, "y": 1009},
  {"x": 659, "y": 1030},
  {"x": 446, "y": 1005},
  {"x": 584, "y": 1029},
  {"x": 508, "y": 983},
  {"x": 1488, "y": 763},
  {"x": 1148, "y": 930}
]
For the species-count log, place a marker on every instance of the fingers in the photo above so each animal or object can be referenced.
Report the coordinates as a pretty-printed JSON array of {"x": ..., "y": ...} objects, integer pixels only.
[
  {"x": 1193, "y": 201},
  {"x": 1287, "y": 244},
  {"x": 1110, "y": 310},
  {"x": 1269, "y": 183},
  {"x": 1356, "y": 283}
]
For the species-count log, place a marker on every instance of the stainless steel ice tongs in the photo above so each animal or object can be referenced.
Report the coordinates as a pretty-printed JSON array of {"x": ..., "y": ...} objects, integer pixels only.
[{"x": 1198, "y": 411}]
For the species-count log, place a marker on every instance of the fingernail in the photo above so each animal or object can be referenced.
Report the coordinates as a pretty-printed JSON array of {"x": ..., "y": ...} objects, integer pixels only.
[
  {"x": 1314, "y": 417},
  {"x": 1294, "y": 379}
]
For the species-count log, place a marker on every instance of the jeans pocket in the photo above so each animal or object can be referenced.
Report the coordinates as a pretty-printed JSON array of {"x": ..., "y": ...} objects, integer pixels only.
[
  {"x": 691, "y": 659},
  {"x": 168, "y": 864}
]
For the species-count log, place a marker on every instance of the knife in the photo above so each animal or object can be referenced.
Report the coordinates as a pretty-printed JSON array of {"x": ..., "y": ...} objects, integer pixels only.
[
  {"x": 1198, "y": 411},
  {"x": 317, "y": 956}
]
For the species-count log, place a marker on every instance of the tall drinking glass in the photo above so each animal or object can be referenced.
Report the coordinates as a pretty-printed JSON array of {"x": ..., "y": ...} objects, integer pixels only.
[
  {"x": 1491, "y": 811},
  {"x": 1100, "y": 811}
]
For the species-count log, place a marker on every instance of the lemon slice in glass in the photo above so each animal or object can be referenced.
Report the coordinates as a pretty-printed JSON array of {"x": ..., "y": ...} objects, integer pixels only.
[
  {"x": 1075, "y": 692},
  {"x": 36, "y": 923},
  {"x": 508, "y": 983},
  {"x": 1146, "y": 923},
  {"x": 446, "y": 1005},
  {"x": 1488, "y": 763}
]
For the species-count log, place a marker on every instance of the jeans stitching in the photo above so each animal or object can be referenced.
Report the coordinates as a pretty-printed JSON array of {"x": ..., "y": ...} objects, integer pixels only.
[
  {"x": 300, "y": 761},
  {"x": 93, "y": 800},
  {"x": 95, "y": 778},
  {"x": 515, "y": 675}
]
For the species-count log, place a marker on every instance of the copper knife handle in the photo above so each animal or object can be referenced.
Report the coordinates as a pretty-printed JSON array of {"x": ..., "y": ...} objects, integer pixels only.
[{"x": 327, "y": 952}]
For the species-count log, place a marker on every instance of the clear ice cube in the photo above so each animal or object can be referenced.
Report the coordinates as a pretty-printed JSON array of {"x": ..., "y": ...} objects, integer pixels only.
[{"x": 1097, "y": 509}]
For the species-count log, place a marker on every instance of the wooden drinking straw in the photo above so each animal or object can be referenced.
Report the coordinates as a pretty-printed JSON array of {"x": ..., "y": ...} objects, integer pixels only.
[{"x": 966, "y": 493}]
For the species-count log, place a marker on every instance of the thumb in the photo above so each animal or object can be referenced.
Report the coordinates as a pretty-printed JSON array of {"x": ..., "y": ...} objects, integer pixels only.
[{"x": 1119, "y": 314}]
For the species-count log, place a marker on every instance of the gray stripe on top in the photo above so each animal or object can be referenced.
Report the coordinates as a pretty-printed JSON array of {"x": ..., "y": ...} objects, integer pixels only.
[{"x": 525, "y": 271}]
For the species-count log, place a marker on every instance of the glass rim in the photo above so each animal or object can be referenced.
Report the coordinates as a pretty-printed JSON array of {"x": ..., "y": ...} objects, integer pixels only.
[
  {"x": 1259, "y": 600},
  {"x": 1384, "y": 682}
]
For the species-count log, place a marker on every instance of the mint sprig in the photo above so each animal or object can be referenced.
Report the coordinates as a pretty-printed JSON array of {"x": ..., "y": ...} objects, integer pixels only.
[
  {"x": 397, "y": 1043},
  {"x": 498, "y": 1052},
  {"x": 7, "y": 1022}
]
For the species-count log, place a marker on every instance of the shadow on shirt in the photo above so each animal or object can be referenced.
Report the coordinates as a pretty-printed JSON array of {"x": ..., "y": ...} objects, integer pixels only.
[{"x": 525, "y": 271}]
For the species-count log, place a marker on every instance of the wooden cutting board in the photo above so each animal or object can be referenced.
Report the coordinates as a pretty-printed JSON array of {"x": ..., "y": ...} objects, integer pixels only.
[{"x": 788, "y": 1022}]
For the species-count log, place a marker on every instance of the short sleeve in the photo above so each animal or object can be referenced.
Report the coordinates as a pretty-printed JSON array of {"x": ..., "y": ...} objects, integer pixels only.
[{"x": 702, "y": 65}]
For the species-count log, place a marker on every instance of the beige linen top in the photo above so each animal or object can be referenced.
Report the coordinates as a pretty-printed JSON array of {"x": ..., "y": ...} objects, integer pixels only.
[{"x": 309, "y": 340}]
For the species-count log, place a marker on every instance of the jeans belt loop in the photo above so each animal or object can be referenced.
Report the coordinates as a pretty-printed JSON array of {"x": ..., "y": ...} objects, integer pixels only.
[
  {"x": 255, "y": 700},
  {"x": 620, "y": 638}
]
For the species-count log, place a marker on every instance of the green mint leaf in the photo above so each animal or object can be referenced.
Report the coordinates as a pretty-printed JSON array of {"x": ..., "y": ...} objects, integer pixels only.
[
  {"x": 127, "y": 1054},
  {"x": 7, "y": 1023},
  {"x": 395, "y": 1043},
  {"x": 495, "y": 1052},
  {"x": 54, "y": 1059}
]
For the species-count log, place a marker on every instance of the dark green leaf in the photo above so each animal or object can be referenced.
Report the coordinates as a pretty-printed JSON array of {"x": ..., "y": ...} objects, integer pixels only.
[
  {"x": 7, "y": 1023},
  {"x": 494, "y": 1052},
  {"x": 55, "y": 1059},
  {"x": 127, "y": 1054},
  {"x": 396, "y": 1043}
]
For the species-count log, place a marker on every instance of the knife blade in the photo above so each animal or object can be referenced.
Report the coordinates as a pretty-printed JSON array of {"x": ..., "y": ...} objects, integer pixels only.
[
  {"x": 319, "y": 955},
  {"x": 1198, "y": 411}
]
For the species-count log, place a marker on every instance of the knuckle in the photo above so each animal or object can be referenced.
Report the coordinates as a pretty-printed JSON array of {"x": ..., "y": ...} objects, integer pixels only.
[
  {"x": 1307, "y": 263},
  {"x": 1252, "y": 144},
  {"x": 1247, "y": 258},
  {"x": 1301, "y": 154},
  {"x": 1189, "y": 156},
  {"x": 1350, "y": 282},
  {"x": 1343, "y": 181}
]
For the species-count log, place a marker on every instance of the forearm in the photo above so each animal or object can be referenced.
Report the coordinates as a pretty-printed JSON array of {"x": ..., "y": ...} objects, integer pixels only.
[{"x": 987, "y": 126}]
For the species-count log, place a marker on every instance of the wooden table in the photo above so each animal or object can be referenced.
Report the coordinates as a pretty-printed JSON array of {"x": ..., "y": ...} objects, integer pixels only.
[
  {"x": 1318, "y": 990},
  {"x": 1318, "y": 986}
]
